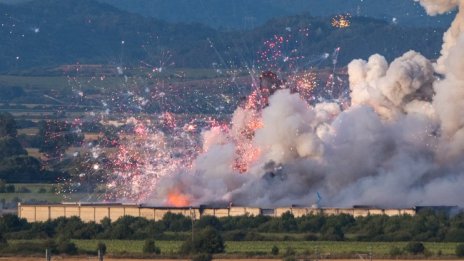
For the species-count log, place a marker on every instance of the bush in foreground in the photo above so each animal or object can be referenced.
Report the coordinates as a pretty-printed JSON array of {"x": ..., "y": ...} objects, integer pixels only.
[
  {"x": 208, "y": 240},
  {"x": 415, "y": 248},
  {"x": 275, "y": 250},
  {"x": 149, "y": 247}
]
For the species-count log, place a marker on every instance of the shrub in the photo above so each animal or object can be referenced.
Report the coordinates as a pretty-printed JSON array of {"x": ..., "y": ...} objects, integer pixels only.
[
  {"x": 67, "y": 247},
  {"x": 455, "y": 235},
  {"x": 42, "y": 190},
  {"x": 333, "y": 234},
  {"x": 208, "y": 240},
  {"x": 102, "y": 247},
  {"x": 415, "y": 248},
  {"x": 208, "y": 221},
  {"x": 460, "y": 250},
  {"x": 150, "y": 248},
  {"x": 275, "y": 250}
]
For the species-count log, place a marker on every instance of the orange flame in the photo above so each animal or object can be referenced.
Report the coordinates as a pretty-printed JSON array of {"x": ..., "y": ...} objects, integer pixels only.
[{"x": 178, "y": 199}]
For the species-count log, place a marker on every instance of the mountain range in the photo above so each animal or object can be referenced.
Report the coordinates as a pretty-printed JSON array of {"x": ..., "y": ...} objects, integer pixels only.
[
  {"x": 43, "y": 33},
  {"x": 246, "y": 14}
]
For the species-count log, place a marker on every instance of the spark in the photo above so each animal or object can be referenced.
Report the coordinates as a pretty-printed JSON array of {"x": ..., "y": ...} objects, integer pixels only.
[{"x": 341, "y": 21}]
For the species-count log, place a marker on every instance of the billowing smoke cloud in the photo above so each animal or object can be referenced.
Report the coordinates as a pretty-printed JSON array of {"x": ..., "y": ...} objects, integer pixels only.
[
  {"x": 450, "y": 39},
  {"x": 399, "y": 144}
]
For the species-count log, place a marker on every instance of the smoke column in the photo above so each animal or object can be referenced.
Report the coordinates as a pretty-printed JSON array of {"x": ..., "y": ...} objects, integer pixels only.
[{"x": 399, "y": 144}]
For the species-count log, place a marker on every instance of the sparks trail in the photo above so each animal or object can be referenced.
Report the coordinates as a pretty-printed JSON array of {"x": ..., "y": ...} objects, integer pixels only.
[{"x": 396, "y": 143}]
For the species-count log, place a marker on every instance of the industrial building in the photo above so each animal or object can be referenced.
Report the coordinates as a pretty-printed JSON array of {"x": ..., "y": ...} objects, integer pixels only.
[{"x": 95, "y": 212}]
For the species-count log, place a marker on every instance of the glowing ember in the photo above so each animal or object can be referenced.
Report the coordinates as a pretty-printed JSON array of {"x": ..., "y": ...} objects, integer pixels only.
[{"x": 341, "y": 21}]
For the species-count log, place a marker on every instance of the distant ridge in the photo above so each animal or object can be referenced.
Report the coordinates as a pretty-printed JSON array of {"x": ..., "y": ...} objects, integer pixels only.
[
  {"x": 44, "y": 33},
  {"x": 240, "y": 14}
]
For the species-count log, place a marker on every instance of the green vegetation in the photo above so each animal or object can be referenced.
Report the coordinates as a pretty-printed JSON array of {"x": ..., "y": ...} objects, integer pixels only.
[
  {"x": 206, "y": 241},
  {"x": 415, "y": 248},
  {"x": 265, "y": 247},
  {"x": 149, "y": 247},
  {"x": 426, "y": 226},
  {"x": 287, "y": 236},
  {"x": 15, "y": 164}
]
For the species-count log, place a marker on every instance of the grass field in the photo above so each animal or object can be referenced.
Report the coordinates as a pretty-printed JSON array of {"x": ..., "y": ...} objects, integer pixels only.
[
  {"x": 60, "y": 82},
  {"x": 243, "y": 247}
]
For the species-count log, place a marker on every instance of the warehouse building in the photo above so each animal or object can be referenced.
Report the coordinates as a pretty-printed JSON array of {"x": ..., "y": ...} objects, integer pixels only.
[{"x": 95, "y": 212}]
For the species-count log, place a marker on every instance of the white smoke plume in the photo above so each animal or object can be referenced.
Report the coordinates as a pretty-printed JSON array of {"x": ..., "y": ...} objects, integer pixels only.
[
  {"x": 399, "y": 144},
  {"x": 450, "y": 39}
]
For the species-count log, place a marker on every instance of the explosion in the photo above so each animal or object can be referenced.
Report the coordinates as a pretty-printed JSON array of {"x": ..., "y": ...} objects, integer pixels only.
[
  {"x": 177, "y": 199},
  {"x": 399, "y": 143}
]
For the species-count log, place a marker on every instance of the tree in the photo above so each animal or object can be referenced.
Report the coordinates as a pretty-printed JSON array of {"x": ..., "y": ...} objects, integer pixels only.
[
  {"x": 455, "y": 235},
  {"x": 176, "y": 222},
  {"x": 57, "y": 136},
  {"x": 415, "y": 248},
  {"x": 208, "y": 240},
  {"x": 288, "y": 222},
  {"x": 208, "y": 221},
  {"x": 7, "y": 125},
  {"x": 333, "y": 234},
  {"x": 10, "y": 147},
  {"x": 12, "y": 223},
  {"x": 20, "y": 169}
]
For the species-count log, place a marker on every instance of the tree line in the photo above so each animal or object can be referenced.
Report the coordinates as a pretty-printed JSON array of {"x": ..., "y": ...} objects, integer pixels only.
[{"x": 426, "y": 226}]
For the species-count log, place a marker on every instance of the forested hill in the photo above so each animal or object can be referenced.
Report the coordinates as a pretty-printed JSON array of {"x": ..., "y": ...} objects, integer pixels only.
[
  {"x": 240, "y": 14},
  {"x": 45, "y": 33}
]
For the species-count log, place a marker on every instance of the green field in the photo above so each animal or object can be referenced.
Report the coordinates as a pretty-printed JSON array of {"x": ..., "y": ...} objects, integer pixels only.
[
  {"x": 244, "y": 247},
  {"x": 60, "y": 82}
]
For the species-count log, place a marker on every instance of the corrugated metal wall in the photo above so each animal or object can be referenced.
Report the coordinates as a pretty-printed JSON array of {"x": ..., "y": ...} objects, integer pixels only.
[{"x": 95, "y": 213}]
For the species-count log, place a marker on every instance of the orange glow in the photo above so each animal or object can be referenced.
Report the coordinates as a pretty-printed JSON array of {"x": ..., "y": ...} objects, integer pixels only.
[
  {"x": 341, "y": 21},
  {"x": 178, "y": 199}
]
